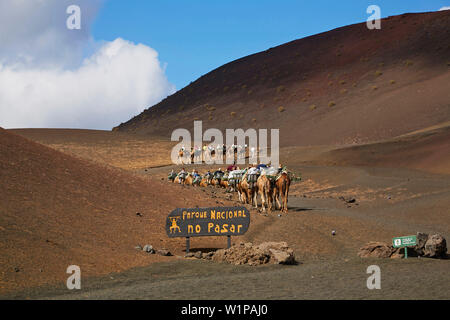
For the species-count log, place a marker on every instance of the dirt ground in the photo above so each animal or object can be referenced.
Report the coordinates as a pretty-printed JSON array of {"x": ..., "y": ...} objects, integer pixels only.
[{"x": 389, "y": 202}]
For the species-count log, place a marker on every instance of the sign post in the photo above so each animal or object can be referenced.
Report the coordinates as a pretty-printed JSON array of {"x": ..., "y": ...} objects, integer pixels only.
[
  {"x": 200, "y": 222},
  {"x": 404, "y": 242}
]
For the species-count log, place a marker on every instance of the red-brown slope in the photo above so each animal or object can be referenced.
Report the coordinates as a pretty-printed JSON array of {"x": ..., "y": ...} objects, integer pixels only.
[
  {"x": 56, "y": 211},
  {"x": 375, "y": 78},
  {"x": 428, "y": 150}
]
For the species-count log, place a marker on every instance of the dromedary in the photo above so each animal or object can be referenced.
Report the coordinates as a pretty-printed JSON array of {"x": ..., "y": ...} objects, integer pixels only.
[
  {"x": 263, "y": 188},
  {"x": 247, "y": 190},
  {"x": 282, "y": 190}
]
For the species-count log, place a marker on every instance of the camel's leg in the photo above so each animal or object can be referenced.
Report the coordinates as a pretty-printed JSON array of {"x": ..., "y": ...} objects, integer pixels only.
[
  {"x": 286, "y": 194},
  {"x": 255, "y": 199},
  {"x": 263, "y": 200},
  {"x": 269, "y": 204}
]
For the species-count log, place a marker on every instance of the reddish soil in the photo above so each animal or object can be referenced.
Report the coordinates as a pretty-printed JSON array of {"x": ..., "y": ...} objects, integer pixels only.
[
  {"x": 57, "y": 210},
  {"x": 72, "y": 196},
  {"x": 427, "y": 150}
]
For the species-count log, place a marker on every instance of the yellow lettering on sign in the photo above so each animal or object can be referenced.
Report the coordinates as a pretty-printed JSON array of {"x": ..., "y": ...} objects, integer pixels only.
[
  {"x": 239, "y": 228},
  {"x": 190, "y": 228},
  {"x": 210, "y": 226},
  {"x": 224, "y": 228},
  {"x": 198, "y": 228},
  {"x": 232, "y": 228},
  {"x": 213, "y": 214},
  {"x": 217, "y": 228}
]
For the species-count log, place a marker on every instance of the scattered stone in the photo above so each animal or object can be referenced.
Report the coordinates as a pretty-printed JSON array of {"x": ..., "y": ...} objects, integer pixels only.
[
  {"x": 376, "y": 250},
  {"x": 435, "y": 247},
  {"x": 138, "y": 247},
  {"x": 208, "y": 255},
  {"x": 189, "y": 255},
  {"x": 198, "y": 255},
  {"x": 164, "y": 252},
  {"x": 333, "y": 232},
  {"x": 421, "y": 240},
  {"x": 283, "y": 257},
  {"x": 149, "y": 249},
  {"x": 139, "y": 214},
  {"x": 16, "y": 269},
  {"x": 247, "y": 253},
  {"x": 347, "y": 199}
]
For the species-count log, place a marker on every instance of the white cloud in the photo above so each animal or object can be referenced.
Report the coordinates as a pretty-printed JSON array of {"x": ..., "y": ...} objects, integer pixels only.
[
  {"x": 46, "y": 82},
  {"x": 444, "y": 8}
]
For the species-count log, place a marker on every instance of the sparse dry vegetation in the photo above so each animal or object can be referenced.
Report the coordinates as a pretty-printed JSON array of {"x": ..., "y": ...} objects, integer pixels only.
[
  {"x": 378, "y": 73},
  {"x": 312, "y": 107},
  {"x": 392, "y": 82},
  {"x": 233, "y": 114},
  {"x": 331, "y": 104},
  {"x": 280, "y": 89},
  {"x": 281, "y": 109}
]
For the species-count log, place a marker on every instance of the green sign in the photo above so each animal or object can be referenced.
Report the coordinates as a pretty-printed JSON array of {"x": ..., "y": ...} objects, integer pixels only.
[
  {"x": 408, "y": 241},
  {"x": 404, "y": 242}
]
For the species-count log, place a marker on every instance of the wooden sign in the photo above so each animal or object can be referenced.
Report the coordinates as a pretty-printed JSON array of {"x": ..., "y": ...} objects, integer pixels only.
[{"x": 216, "y": 221}]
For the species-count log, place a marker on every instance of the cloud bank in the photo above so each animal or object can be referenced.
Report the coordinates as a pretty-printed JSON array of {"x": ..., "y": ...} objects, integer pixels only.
[
  {"x": 444, "y": 8},
  {"x": 47, "y": 81}
]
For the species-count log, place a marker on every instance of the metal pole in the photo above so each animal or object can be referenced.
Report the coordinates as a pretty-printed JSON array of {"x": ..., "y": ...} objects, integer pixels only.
[
  {"x": 406, "y": 252},
  {"x": 229, "y": 241},
  {"x": 187, "y": 244}
]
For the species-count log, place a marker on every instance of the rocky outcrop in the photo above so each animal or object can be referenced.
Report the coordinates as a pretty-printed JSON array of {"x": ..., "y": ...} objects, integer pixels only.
[
  {"x": 376, "y": 250},
  {"x": 434, "y": 246},
  {"x": 247, "y": 253}
]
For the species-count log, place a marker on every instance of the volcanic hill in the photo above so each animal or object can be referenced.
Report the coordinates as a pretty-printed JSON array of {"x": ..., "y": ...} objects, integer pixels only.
[{"x": 345, "y": 86}]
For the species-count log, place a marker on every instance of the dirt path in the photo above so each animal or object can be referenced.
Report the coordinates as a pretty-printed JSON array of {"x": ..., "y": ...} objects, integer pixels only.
[{"x": 337, "y": 279}]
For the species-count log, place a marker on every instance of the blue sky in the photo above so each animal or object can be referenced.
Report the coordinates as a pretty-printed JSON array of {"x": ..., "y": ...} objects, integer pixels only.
[{"x": 196, "y": 36}]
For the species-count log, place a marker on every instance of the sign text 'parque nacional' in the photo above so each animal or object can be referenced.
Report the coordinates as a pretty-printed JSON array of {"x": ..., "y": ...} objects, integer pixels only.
[{"x": 216, "y": 221}]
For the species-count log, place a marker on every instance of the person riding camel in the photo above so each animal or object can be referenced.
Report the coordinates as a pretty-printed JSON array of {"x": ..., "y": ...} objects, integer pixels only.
[
  {"x": 182, "y": 175},
  {"x": 231, "y": 168},
  {"x": 280, "y": 168}
]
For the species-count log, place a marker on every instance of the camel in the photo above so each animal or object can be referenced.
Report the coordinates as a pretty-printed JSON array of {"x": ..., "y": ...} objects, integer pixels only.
[
  {"x": 183, "y": 154},
  {"x": 281, "y": 189},
  {"x": 263, "y": 188},
  {"x": 223, "y": 183},
  {"x": 247, "y": 190},
  {"x": 204, "y": 183}
]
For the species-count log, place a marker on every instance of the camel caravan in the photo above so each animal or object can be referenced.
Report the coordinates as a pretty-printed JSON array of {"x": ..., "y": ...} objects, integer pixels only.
[
  {"x": 209, "y": 152},
  {"x": 271, "y": 184}
]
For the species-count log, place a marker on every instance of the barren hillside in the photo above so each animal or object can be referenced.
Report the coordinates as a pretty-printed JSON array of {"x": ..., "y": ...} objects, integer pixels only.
[{"x": 345, "y": 86}]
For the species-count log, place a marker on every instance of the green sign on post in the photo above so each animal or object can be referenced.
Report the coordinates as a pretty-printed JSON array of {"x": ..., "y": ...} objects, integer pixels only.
[{"x": 404, "y": 242}]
